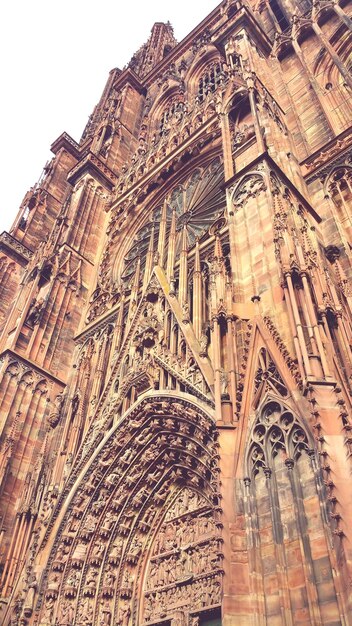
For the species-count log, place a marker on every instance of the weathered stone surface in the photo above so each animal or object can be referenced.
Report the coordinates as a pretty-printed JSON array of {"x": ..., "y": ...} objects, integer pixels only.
[{"x": 175, "y": 317}]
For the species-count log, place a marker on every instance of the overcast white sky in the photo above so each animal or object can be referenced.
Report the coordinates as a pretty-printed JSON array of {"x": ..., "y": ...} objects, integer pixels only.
[{"x": 55, "y": 59}]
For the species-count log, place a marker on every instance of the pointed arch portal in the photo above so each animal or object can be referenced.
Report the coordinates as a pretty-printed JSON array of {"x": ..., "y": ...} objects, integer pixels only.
[{"x": 139, "y": 541}]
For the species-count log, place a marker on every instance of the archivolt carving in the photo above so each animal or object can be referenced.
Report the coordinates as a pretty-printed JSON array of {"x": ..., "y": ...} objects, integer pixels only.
[{"x": 149, "y": 497}]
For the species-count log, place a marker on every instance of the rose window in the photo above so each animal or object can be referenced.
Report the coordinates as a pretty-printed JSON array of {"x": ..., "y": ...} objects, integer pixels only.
[{"x": 193, "y": 205}]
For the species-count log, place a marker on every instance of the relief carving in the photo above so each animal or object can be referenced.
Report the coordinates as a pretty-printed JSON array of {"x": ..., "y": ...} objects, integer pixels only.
[{"x": 187, "y": 546}]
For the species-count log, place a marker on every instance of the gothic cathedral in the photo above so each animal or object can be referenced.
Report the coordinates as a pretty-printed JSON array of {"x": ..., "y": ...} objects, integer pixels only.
[{"x": 176, "y": 339}]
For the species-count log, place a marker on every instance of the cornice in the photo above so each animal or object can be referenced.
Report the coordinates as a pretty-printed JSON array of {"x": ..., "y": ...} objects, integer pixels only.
[
  {"x": 31, "y": 365},
  {"x": 93, "y": 165},
  {"x": 15, "y": 249},
  {"x": 65, "y": 141},
  {"x": 270, "y": 161},
  {"x": 129, "y": 77},
  {"x": 318, "y": 164}
]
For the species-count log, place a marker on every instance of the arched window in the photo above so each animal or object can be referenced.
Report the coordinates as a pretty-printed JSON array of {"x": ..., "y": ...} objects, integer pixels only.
[
  {"x": 285, "y": 513},
  {"x": 174, "y": 109},
  {"x": 279, "y": 14},
  {"x": 167, "y": 50},
  {"x": 23, "y": 223},
  {"x": 210, "y": 81}
]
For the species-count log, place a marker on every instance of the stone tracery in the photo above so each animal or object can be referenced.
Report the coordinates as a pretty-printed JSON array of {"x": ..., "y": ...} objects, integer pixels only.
[
  {"x": 120, "y": 468},
  {"x": 284, "y": 516},
  {"x": 196, "y": 204}
]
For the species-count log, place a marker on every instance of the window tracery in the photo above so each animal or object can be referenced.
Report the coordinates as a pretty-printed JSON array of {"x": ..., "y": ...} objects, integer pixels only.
[
  {"x": 276, "y": 429},
  {"x": 210, "y": 81},
  {"x": 267, "y": 375},
  {"x": 284, "y": 510},
  {"x": 194, "y": 205},
  {"x": 174, "y": 112}
]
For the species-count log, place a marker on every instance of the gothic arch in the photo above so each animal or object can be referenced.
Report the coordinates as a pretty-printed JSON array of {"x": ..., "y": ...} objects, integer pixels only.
[
  {"x": 287, "y": 519},
  {"x": 205, "y": 58},
  {"x": 276, "y": 428},
  {"x": 161, "y": 104},
  {"x": 269, "y": 371},
  {"x": 235, "y": 101},
  {"x": 135, "y": 493}
]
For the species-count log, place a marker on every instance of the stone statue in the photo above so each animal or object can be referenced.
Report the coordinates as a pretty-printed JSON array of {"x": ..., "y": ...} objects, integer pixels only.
[
  {"x": 105, "y": 612},
  {"x": 123, "y": 615},
  {"x": 29, "y": 599},
  {"x": 47, "y": 615},
  {"x": 203, "y": 341},
  {"x": 55, "y": 414},
  {"x": 34, "y": 311}
]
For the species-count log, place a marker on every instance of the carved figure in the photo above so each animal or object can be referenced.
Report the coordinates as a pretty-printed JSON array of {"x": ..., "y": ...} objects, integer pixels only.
[
  {"x": 61, "y": 553},
  {"x": 117, "y": 548},
  {"x": 185, "y": 313},
  {"x": 72, "y": 579},
  {"x": 86, "y": 612},
  {"x": 34, "y": 311},
  {"x": 98, "y": 549},
  {"x": 55, "y": 414},
  {"x": 67, "y": 466},
  {"x": 53, "y": 585},
  {"x": 47, "y": 615},
  {"x": 29, "y": 599},
  {"x": 109, "y": 578},
  {"x": 66, "y": 613},
  {"x": 123, "y": 615},
  {"x": 127, "y": 580},
  {"x": 203, "y": 342},
  {"x": 105, "y": 612}
]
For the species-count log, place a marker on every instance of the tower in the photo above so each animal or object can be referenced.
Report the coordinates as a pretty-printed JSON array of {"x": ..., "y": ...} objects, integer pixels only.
[{"x": 175, "y": 310}]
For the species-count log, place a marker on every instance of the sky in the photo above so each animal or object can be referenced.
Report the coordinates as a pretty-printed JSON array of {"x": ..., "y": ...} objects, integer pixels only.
[{"x": 55, "y": 59}]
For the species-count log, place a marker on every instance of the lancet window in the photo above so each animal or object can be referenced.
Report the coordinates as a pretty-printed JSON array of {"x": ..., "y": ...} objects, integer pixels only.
[
  {"x": 210, "y": 81},
  {"x": 286, "y": 518},
  {"x": 279, "y": 14},
  {"x": 23, "y": 223}
]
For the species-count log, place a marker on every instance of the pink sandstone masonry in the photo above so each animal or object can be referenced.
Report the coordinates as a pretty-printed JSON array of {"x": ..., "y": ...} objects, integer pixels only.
[{"x": 175, "y": 339}]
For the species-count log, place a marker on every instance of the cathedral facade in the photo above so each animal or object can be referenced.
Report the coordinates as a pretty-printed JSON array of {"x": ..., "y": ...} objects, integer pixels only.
[{"x": 176, "y": 339}]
